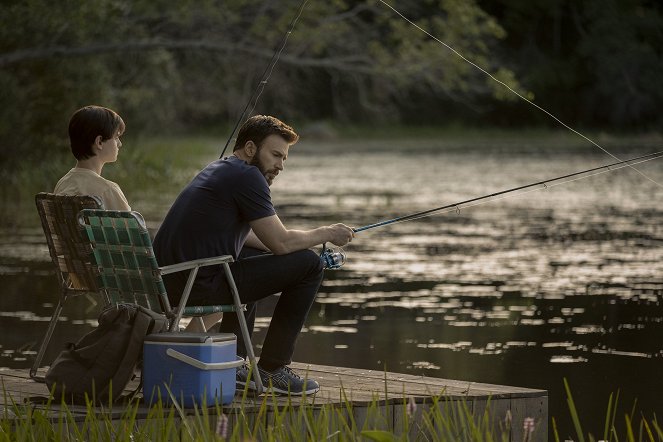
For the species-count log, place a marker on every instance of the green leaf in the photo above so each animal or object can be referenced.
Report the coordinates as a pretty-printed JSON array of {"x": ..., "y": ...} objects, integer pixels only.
[{"x": 379, "y": 436}]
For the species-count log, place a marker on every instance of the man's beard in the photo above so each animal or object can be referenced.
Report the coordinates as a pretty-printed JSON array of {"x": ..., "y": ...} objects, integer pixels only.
[{"x": 255, "y": 161}]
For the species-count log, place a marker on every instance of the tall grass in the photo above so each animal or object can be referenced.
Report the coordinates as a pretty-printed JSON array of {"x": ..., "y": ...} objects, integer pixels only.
[
  {"x": 267, "y": 420},
  {"x": 272, "y": 419},
  {"x": 634, "y": 426}
]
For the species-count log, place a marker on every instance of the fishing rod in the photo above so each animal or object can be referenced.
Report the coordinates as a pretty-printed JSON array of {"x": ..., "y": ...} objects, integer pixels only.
[
  {"x": 544, "y": 184},
  {"x": 266, "y": 74},
  {"x": 334, "y": 259}
]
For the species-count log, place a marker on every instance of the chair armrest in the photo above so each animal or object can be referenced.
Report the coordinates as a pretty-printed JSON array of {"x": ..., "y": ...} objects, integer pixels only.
[{"x": 203, "y": 262}]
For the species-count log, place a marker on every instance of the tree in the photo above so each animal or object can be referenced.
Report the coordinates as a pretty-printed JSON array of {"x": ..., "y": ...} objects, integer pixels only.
[
  {"x": 165, "y": 64},
  {"x": 592, "y": 63},
  {"x": 622, "y": 42}
]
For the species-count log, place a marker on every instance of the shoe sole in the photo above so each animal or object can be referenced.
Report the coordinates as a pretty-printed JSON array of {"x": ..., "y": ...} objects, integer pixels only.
[
  {"x": 252, "y": 387},
  {"x": 287, "y": 392},
  {"x": 239, "y": 385}
]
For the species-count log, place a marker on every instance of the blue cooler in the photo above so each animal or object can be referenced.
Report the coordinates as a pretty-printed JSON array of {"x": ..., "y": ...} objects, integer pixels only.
[{"x": 195, "y": 367}]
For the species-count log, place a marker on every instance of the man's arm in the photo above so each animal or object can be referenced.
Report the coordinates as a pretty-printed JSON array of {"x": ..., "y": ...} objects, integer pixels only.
[{"x": 279, "y": 240}]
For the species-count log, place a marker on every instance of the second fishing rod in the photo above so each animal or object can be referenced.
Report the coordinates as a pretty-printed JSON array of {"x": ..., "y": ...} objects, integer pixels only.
[
  {"x": 334, "y": 259},
  {"x": 539, "y": 185}
]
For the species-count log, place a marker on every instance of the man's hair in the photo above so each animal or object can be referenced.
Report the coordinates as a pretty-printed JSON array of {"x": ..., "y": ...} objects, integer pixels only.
[
  {"x": 259, "y": 127},
  {"x": 89, "y": 122}
]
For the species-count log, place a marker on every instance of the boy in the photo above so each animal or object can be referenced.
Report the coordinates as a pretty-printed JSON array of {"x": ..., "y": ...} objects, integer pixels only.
[{"x": 94, "y": 135}]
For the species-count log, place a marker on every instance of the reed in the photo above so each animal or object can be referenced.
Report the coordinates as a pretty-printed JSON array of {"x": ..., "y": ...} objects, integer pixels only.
[
  {"x": 268, "y": 419},
  {"x": 634, "y": 427}
]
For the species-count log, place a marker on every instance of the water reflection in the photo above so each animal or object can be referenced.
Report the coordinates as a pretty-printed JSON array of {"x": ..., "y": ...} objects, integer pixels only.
[
  {"x": 575, "y": 330},
  {"x": 564, "y": 282}
]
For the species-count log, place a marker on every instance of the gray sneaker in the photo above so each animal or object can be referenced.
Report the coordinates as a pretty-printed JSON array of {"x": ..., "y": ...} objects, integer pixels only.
[
  {"x": 282, "y": 380},
  {"x": 285, "y": 381},
  {"x": 242, "y": 378}
]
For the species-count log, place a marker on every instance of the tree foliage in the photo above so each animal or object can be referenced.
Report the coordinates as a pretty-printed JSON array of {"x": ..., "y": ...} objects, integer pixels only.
[
  {"x": 193, "y": 63},
  {"x": 593, "y": 62},
  {"x": 166, "y": 64}
]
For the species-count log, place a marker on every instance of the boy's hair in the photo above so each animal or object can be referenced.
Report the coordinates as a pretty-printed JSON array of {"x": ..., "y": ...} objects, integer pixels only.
[
  {"x": 259, "y": 127},
  {"x": 89, "y": 122}
]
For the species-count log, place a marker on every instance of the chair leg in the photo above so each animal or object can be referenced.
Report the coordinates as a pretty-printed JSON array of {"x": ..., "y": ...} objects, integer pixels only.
[
  {"x": 244, "y": 328},
  {"x": 46, "y": 340},
  {"x": 249, "y": 351}
]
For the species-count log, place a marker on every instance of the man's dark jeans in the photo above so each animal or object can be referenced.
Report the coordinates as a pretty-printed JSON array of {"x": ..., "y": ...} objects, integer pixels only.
[{"x": 297, "y": 276}]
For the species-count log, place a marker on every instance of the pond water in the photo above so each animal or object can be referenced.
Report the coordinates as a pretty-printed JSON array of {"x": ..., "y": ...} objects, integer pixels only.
[{"x": 559, "y": 283}]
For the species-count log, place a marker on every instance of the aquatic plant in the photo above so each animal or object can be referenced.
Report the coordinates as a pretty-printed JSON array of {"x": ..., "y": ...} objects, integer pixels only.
[
  {"x": 273, "y": 418},
  {"x": 267, "y": 418},
  {"x": 647, "y": 430}
]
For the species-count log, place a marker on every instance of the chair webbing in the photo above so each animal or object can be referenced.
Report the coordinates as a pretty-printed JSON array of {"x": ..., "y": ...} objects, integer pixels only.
[
  {"x": 122, "y": 249},
  {"x": 69, "y": 250}
]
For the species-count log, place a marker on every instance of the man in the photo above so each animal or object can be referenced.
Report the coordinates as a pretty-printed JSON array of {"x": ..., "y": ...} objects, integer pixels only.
[
  {"x": 227, "y": 210},
  {"x": 94, "y": 135}
]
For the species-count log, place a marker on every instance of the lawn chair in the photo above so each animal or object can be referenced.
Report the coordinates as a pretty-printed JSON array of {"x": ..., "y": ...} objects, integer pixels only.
[
  {"x": 70, "y": 253},
  {"x": 128, "y": 271}
]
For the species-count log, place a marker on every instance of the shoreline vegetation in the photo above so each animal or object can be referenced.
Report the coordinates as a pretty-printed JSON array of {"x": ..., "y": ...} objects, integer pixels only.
[
  {"x": 154, "y": 164},
  {"x": 437, "y": 418}
]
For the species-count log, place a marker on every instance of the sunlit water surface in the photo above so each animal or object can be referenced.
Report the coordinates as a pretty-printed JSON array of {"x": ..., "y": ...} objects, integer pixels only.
[{"x": 560, "y": 282}]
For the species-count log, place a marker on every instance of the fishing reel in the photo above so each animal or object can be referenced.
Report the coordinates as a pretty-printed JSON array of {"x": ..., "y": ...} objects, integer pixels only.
[{"x": 331, "y": 259}]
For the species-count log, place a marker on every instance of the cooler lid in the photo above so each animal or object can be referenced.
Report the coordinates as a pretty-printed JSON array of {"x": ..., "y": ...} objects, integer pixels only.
[{"x": 184, "y": 337}]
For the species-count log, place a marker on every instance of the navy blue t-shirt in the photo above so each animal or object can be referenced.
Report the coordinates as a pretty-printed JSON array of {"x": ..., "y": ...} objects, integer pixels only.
[{"x": 211, "y": 217}]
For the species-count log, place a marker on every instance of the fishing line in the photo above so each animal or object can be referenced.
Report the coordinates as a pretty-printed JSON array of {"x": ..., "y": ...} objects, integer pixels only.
[
  {"x": 512, "y": 90},
  {"x": 521, "y": 190},
  {"x": 260, "y": 87}
]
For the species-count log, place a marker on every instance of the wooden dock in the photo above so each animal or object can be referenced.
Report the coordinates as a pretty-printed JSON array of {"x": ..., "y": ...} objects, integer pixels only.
[{"x": 367, "y": 391}]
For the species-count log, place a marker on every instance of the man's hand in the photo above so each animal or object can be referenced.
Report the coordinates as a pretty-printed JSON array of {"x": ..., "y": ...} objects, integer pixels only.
[{"x": 340, "y": 234}]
